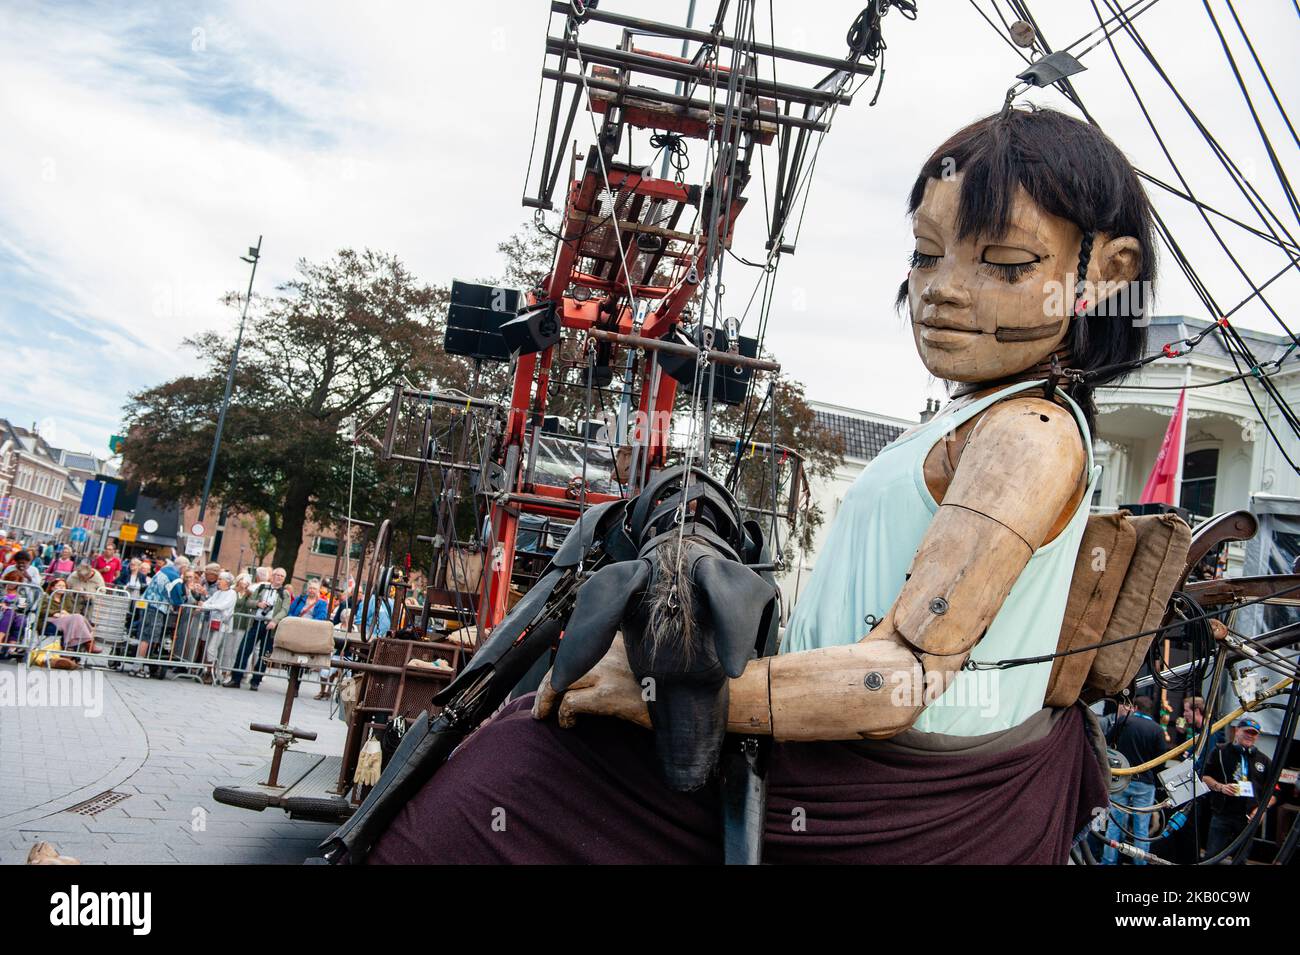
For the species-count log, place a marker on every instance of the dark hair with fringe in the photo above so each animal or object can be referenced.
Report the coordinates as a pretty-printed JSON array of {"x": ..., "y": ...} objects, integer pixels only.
[{"x": 1072, "y": 170}]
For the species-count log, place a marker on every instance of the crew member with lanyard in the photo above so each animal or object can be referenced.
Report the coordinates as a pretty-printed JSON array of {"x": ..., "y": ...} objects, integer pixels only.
[{"x": 1236, "y": 774}]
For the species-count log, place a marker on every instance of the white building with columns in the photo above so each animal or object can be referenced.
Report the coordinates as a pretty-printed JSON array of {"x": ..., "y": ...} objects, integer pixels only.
[{"x": 1228, "y": 454}]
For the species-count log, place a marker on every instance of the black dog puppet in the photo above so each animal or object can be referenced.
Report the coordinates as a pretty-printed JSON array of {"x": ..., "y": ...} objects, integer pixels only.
[{"x": 691, "y": 613}]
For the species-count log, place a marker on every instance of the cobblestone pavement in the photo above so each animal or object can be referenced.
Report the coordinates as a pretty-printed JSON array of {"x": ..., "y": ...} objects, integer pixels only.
[{"x": 68, "y": 736}]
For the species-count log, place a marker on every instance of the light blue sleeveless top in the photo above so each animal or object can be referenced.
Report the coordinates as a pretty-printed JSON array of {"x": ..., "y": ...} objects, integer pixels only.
[{"x": 872, "y": 540}]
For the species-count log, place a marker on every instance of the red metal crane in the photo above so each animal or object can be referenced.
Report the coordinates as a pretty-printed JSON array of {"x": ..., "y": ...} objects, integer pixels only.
[{"x": 635, "y": 252}]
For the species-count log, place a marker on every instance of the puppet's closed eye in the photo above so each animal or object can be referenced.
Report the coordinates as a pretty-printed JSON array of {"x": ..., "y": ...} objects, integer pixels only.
[
  {"x": 919, "y": 260},
  {"x": 1008, "y": 263},
  {"x": 927, "y": 253}
]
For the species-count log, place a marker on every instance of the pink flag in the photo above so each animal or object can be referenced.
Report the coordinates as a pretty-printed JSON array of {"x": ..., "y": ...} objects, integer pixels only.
[{"x": 1161, "y": 487}]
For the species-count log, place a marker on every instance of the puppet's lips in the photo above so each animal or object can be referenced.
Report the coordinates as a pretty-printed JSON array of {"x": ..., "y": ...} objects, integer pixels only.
[
  {"x": 944, "y": 319},
  {"x": 943, "y": 336}
]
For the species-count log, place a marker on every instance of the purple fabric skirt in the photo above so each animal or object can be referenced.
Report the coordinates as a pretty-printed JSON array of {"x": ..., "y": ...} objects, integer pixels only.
[{"x": 522, "y": 791}]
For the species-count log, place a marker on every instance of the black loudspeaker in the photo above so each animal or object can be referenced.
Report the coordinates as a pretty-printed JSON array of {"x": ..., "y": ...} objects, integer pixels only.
[
  {"x": 535, "y": 329},
  {"x": 474, "y": 320},
  {"x": 730, "y": 382}
]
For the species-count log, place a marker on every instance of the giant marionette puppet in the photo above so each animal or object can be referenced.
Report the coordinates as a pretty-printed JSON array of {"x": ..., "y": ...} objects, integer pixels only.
[{"x": 956, "y": 547}]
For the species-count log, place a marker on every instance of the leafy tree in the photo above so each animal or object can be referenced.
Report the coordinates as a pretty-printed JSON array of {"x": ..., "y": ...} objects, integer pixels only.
[{"x": 327, "y": 348}]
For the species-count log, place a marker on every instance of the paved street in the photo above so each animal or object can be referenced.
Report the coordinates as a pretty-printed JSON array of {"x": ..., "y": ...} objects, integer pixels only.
[{"x": 160, "y": 744}]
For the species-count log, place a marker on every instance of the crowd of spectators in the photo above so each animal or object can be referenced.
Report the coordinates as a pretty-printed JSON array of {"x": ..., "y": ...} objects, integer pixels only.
[{"x": 226, "y": 621}]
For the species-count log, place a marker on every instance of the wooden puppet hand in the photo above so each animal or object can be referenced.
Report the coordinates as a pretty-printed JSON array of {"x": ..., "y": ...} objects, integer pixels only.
[{"x": 607, "y": 689}]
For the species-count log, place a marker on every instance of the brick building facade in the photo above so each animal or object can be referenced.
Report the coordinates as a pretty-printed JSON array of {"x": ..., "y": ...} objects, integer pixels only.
[{"x": 38, "y": 495}]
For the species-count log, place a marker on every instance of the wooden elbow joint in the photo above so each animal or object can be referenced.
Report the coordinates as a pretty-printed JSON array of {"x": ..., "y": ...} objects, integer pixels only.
[{"x": 1022, "y": 464}]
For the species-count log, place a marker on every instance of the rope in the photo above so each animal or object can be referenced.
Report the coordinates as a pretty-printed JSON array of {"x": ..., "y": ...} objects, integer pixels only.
[
  {"x": 1263, "y": 75},
  {"x": 1049, "y": 657},
  {"x": 1225, "y": 160},
  {"x": 1282, "y": 178},
  {"x": 678, "y": 156}
]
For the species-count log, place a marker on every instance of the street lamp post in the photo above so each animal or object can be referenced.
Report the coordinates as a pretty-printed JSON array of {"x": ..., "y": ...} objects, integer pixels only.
[{"x": 254, "y": 254}]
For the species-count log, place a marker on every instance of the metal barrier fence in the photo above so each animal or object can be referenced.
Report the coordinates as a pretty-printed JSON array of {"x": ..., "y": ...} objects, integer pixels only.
[{"x": 148, "y": 638}]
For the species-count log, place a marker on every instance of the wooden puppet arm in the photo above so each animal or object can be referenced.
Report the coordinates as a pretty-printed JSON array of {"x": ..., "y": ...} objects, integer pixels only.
[{"x": 1021, "y": 467}]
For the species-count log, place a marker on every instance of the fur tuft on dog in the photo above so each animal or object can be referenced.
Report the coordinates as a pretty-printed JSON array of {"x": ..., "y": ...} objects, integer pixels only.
[{"x": 671, "y": 619}]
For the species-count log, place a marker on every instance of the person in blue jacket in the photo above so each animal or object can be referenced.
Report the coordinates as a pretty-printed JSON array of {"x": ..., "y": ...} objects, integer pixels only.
[{"x": 310, "y": 603}]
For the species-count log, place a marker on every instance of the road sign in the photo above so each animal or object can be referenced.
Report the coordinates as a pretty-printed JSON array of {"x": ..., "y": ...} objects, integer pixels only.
[
  {"x": 97, "y": 499},
  {"x": 193, "y": 546},
  {"x": 116, "y": 443},
  {"x": 126, "y": 533},
  {"x": 79, "y": 535},
  {"x": 196, "y": 529}
]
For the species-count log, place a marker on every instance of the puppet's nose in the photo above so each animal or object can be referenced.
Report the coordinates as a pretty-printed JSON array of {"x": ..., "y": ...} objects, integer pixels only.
[{"x": 944, "y": 290}]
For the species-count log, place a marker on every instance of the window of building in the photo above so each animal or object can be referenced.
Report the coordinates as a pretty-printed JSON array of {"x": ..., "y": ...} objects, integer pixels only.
[
  {"x": 329, "y": 546},
  {"x": 38, "y": 482},
  {"x": 1200, "y": 471},
  {"x": 30, "y": 516}
]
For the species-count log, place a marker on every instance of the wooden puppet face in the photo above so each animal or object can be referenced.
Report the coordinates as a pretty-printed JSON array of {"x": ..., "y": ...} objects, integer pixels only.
[{"x": 986, "y": 307}]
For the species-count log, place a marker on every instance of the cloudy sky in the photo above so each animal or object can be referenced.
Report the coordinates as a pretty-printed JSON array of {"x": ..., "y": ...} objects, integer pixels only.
[{"x": 146, "y": 146}]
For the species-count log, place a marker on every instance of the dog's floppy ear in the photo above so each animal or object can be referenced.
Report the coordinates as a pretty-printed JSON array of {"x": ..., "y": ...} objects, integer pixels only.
[
  {"x": 601, "y": 603},
  {"x": 737, "y": 599}
]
